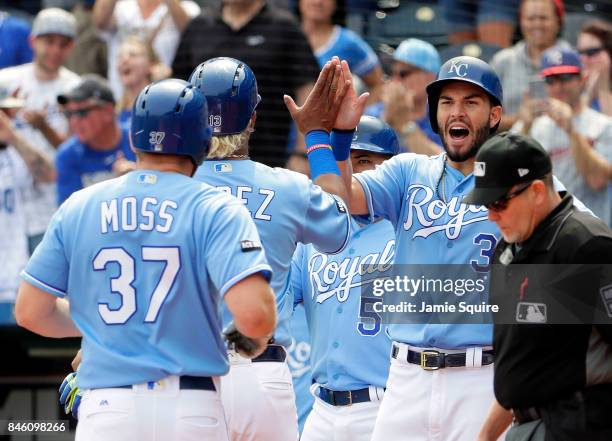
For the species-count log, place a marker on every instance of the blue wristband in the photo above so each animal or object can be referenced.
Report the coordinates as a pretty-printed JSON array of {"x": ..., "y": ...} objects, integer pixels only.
[
  {"x": 321, "y": 158},
  {"x": 341, "y": 143}
]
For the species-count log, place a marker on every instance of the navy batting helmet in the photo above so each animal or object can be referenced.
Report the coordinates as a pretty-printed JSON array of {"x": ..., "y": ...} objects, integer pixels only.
[
  {"x": 230, "y": 88},
  {"x": 170, "y": 117},
  {"x": 469, "y": 69},
  {"x": 376, "y": 136}
]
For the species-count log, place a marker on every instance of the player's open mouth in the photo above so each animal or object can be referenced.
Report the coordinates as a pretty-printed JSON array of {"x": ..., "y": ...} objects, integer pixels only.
[{"x": 458, "y": 131}]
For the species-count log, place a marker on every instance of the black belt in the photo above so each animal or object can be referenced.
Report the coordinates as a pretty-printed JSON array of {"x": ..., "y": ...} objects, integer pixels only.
[
  {"x": 434, "y": 360},
  {"x": 344, "y": 397},
  {"x": 186, "y": 382},
  {"x": 271, "y": 353},
  {"x": 525, "y": 415}
]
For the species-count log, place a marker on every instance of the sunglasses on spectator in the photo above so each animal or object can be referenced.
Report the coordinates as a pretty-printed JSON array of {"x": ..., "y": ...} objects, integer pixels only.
[
  {"x": 502, "y": 203},
  {"x": 564, "y": 78},
  {"x": 403, "y": 73},
  {"x": 590, "y": 51},
  {"x": 80, "y": 113}
]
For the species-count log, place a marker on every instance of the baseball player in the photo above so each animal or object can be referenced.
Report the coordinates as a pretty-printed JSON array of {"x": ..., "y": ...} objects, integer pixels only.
[
  {"x": 161, "y": 249},
  {"x": 441, "y": 375},
  {"x": 349, "y": 358},
  {"x": 287, "y": 209}
]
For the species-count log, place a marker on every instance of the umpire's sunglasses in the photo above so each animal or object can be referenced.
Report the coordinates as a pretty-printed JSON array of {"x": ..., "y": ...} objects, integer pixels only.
[
  {"x": 502, "y": 204},
  {"x": 80, "y": 113},
  {"x": 564, "y": 78},
  {"x": 590, "y": 51}
]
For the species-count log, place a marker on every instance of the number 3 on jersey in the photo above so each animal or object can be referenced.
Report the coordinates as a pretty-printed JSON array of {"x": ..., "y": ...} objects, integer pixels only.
[{"x": 122, "y": 284}]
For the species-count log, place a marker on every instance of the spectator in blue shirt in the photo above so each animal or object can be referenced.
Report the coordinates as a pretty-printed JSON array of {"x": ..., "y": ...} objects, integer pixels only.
[
  {"x": 100, "y": 147},
  {"x": 404, "y": 100},
  {"x": 15, "y": 48}
]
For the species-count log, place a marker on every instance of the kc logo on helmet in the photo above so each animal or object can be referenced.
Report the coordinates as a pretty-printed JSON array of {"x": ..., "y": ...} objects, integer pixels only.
[
  {"x": 480, "y": 169},
  {"x": 461, "y": 69}
]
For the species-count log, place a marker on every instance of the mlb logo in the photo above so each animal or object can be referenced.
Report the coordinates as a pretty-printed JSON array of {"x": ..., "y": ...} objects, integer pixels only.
[
  {"x": 480, "y": 169},
  {"x": 224, "y": 167},
  {"x": 606, "y": 297},
  {"x": 147, "y": 179},
  {"x": 522, "y": 172},
  {"x": 527, "y": 312}
]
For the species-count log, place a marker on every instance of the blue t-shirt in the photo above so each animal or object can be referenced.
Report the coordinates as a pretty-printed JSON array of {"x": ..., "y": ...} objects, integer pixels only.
[
  {"x": 79, "y": 166},
  {"x": 15, "y": 48},
  {"x": 349, "y": 46},
  {"x": 376, "y": 110},
  {"x": 145, "y": 260}
]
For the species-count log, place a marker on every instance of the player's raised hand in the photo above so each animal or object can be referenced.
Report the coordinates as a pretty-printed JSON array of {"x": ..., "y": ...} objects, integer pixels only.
[
  {"x": 323, "y": 102},
  {"x": 352, "y": 106}
]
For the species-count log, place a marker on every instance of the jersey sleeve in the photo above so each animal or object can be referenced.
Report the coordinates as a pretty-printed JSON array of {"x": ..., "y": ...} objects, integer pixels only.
[
  {"x": 384, "y": 186},
  {"x": 296, "y": 275},
  {"x": 362, "y": 58},
  {"x": 326, "y": 222},
  {"x": 233, "y": 247},
  {"x": 48, "y": 267}
]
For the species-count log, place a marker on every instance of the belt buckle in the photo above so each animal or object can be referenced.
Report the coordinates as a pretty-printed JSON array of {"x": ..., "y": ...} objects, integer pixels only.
[{"x": 423, "y": 360}]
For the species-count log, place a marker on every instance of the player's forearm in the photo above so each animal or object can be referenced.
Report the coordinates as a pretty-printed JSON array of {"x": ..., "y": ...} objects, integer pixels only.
[
  {"x": 333, "y": 184},
  {"x": 180, "y": 18},
  {"x": 589, "y": 163},
  {"x": 103, "y": 13},
  {"x": 44, "y": 314},
  {"x": 497, "y": 421},
  {"x": 38, "y": 162}
]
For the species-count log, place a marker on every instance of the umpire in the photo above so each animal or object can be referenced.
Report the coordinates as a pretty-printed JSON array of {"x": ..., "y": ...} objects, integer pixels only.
[{"x": 553, "y": 381}]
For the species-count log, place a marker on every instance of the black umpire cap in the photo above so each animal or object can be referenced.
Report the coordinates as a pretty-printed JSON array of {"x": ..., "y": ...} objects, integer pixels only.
[
  {"x": 504, "y": 161},
  {"x": 90, "y": 86}
]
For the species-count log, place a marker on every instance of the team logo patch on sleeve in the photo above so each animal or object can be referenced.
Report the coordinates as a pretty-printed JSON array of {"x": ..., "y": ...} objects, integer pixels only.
[
  {"x": 249, "y": 245},
  {"x": 340, "y": 205}
]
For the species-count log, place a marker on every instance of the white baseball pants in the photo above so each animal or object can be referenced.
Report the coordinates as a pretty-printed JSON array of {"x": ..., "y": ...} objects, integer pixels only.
[
  {"x": 259, "y": 401},
  {"x": 160, "y": 412},
  {"x": 448, "y": 404}
]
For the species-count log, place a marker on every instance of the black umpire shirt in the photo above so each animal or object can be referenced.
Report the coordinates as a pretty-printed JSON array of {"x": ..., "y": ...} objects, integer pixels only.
[
  {"x": 277, "y": 51},
  {"x": 536, "y": 364}
]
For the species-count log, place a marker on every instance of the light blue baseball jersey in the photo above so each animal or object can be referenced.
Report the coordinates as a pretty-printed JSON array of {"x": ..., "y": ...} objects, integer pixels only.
[
  {"x": 429, "y": 230},
  {"x": 287, "y": 209},
  {"x": 298, "y": 359},
  {"x": 346, "y": 353},
  {"x": 144, "y": 260}
]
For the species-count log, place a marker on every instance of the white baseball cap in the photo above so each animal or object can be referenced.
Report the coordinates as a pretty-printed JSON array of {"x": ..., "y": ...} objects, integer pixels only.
[{"x": 54, "y": 21}]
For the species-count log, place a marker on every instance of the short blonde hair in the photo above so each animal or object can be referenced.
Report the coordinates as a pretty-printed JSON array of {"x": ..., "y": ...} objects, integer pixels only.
[{"x": 224, "y": 146}]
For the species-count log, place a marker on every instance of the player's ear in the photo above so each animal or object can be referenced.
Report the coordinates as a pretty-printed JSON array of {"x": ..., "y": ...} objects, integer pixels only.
[{"x": 495, "y": 116}]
